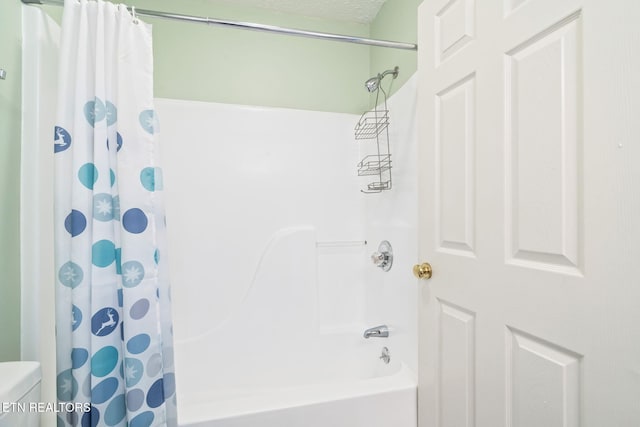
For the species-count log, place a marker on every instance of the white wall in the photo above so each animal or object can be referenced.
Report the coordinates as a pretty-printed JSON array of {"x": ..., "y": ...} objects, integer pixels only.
[
  {"x": 235, "y": 177},
  {"x": 243, "y": 184},
  {"x": 393, "y": 215},
  {"x": 266, "y": 238}
]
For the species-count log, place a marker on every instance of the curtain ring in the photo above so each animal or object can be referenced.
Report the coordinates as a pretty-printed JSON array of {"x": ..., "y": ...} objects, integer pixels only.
[{"x": 133, "y": 13}]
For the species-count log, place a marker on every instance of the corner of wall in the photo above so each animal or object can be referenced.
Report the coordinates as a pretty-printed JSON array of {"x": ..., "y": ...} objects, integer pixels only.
[
  {"x": 10, "y": 112},
  {"x": 397, "y": 21}
]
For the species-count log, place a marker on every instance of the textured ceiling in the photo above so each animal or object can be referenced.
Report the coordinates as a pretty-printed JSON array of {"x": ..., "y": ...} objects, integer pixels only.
[{"x": 362, "y": 11}]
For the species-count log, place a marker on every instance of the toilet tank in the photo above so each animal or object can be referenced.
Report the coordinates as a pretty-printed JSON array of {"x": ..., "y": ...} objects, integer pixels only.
[{"x": 19, "y": 388}]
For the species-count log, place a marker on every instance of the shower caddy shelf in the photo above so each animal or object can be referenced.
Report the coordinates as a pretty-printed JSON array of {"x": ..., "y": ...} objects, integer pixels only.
[
  {"x": 374, "y": 126},
  {"x": 371, "y": 123}
]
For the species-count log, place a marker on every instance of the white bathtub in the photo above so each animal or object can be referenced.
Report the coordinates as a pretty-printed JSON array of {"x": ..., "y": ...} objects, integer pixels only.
[
  {"x": 387, "y": 398},
  {"x": 271, "y": 362}
]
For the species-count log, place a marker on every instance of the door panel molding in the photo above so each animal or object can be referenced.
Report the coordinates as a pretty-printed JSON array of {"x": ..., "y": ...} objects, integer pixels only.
[
  {"x": 543, "y": 104},
  {"x": 456, "y": 366},
  {"x": 455, "y": 167},
  {"x": 543, "y": 382}
]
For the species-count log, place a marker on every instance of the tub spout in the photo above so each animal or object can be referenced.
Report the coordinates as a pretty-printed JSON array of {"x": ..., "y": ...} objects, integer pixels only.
[{"x": 381, "y": 331}]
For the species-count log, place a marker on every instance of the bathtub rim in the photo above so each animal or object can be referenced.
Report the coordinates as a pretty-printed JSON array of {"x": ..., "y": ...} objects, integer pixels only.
[{"x": 281, "y": 398}]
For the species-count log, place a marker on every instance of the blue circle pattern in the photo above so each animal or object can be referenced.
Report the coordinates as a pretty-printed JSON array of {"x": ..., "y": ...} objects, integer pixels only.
[
  {"x": 133, "y": 370},
  {"x": 76, "y": 317},
  {"x": 111, "y": 113},
  {"x": 148, "y": 121},
  {"x": 61, "y": 138},
  {"x": 88, "y": 175},
  {"x": 109, "y": 352},
  {"x": 104, "y": 361},
  {"x": 91, "y": 418},
  {"x": 104, "y": 321},
  {"x": 67, "y": 386},
  {"x": 118, "y": 260},
  {"x": 155, "y": 395},
  {"x": 144, "y": 419},
  {"x": 70, "y": 274},
  {"x": 103, "y": 207},
  {"x": 104, "y": 390},
  {"x": 135, "y": 399},
  {"x": 116, "y": 410},
  {"x": 139, "y": 309},
  {"x": 94, "y": 111},
  {"x": 151, "y": 179},
  {"x": 116, "y": 208},
  {"x": 135, "y": 221},
  {"x": 72, "y": 418},
  {"x": 103, "y": 253},
  {"x": 154, "y": 365},
  {"x": 79, "y": 357},
  {"x": 138, "y": 344},
  {"x": 132, "y": 274},
  {"x": 169, "y": 384},
  {"x": 118, "y": 142},
  {"x": 75, "y": 223}
]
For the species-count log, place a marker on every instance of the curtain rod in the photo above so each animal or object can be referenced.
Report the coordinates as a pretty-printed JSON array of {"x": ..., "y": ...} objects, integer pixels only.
[{"x": 256, "y": 27}]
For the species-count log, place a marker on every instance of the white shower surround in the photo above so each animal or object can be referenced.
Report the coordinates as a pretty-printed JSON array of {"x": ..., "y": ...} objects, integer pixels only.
[
  {"x": 273, "y": 286},
  {"x": 269, "y": 302}
]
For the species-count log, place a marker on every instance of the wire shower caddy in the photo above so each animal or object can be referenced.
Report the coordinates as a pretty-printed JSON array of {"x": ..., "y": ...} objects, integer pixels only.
[{"x": 374, "y": 126}]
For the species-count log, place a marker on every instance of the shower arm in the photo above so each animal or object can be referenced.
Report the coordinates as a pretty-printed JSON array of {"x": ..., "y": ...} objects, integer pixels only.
[
  {"x": 394, "y": 72},
  {"x": 373, "y": 83}
]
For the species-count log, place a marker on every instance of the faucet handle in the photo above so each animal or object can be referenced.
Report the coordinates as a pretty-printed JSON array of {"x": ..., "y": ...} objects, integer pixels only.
[
  {"x": 383, "y": 257},
  {"x": 379, "y": 258}
]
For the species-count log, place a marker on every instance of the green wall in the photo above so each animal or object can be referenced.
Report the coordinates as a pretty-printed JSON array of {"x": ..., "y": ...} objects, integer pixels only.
[
  {"x": 10, "y": 106},
  {"x": 245, "y": 67},
  {"x": 226, "y": 65},
  {"x": 397, "y": 20},
  {"x": 203, "y": 63},
  {"x": 209, "y": 63}
]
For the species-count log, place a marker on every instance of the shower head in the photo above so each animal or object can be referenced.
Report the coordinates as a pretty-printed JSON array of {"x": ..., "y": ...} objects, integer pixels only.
[{"x": 374, "y": 82}]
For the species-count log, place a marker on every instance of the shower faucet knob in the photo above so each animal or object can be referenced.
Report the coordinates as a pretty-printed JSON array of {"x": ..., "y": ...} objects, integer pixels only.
[
  {"x": 383, "y": 257},
  {"x": 378, "y": 258}
]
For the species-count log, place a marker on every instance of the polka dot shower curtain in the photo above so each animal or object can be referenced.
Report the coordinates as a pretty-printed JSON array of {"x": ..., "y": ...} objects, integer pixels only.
[{"x": 113, "y": 320}]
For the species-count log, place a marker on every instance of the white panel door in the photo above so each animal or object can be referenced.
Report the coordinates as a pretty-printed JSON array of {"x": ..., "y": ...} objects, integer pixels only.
[{"x": 529, "y": 157}]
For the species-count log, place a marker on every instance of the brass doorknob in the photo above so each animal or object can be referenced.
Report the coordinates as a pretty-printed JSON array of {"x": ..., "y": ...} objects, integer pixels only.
[{"x": 422, "y": 271}]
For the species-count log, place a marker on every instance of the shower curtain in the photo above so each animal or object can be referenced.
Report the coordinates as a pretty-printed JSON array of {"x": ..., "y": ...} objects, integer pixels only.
[{"x": 113, "y": 321}]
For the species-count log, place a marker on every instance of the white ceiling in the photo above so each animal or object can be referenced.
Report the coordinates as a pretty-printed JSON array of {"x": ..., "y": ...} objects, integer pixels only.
[{"x": 362, "y": 11}]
